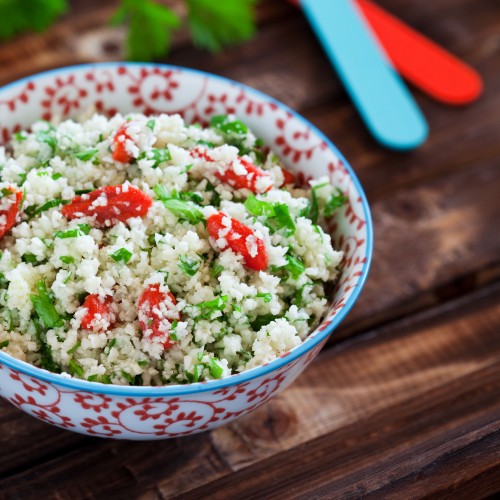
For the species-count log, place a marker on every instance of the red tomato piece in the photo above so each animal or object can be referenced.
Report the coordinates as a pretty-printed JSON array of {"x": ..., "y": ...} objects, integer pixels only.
[
  {"x": 200, "y": 153},
  {"x": 100, "y": 315},
  {"x": 288, "y": 177},
  {"x": 10, "y": 210},
  {"x": 110, "y": 204},
  {"x": 240, "y": 239},
  {"x": 256, "y": 179},
  {"x": 154, "y": 315},
  {"x": 120, "y": 153}
]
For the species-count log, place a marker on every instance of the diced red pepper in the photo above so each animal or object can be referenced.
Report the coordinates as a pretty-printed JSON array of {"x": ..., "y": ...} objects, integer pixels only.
[
  {"x": 240, "y": 239},
  {"x": 120, "y": 153},
  {"x": 288, "y": 177},
  {"x": 200, "y": 153},
  {"x": 99, "y": 314},
  {"x": 154, "y": 322},
  {"x": 110, "y": 204},
  {"x": 10, "y": 213},
  {"x": 252, "y": 180}
]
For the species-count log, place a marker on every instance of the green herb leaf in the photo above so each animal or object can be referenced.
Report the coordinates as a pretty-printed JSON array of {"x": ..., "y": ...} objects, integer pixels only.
[
  {"x": 227, "y": 126},
  {"x": 46, "y": 206},
  {"x": 86, "y": 155},
  {"x": 283, "y": 218},
  {"x": 45, "y": 308},
  {"x": 294, "y": 266},
  {"x": 74, "y": 233},
  {"x": 266, "y": 296},
  {"x": 150, "y": 27},
  {"x": 20, "y": 136},
  {"x": 75, "y": 368},
  {"x": 335, "y": 201},
  {"x": 67, "y": 259},
  {"x": 259, "y": 207},
  {"x": 31, "y": 15},
  {"x": 122, "y": 255},
  {"x": 216, "y": 269},
  {"x": 189, "y": 266},
  {"x": 314, "y": 207},
  {"x": 56, "y": 176},
  {"x": 5, "y": 343},
  {"x": 184, "y": 211},
  {"x": 158, "y": 155},
  {"x": 75, "y": 347},
  {"x": 215, "y": 368},
  {"x": 216, "y": 24},
  {"x": 29, "y": 258},
  {"x": 47, "y": 137},
  {"x": 210, "y": 306},
  {"x": 262, "y": 320},
  {"x": 151, "y": 125},
  {"x": 129, "y": 378},
  {"x": 6, "y": 192}
]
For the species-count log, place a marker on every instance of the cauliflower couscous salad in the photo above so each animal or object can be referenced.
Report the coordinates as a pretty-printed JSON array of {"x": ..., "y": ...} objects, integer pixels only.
[{"x": 139, "y": 250}]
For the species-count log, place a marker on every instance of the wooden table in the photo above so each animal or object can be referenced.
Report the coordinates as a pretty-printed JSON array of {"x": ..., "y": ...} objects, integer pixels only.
[{"x": 404, "y": 402}]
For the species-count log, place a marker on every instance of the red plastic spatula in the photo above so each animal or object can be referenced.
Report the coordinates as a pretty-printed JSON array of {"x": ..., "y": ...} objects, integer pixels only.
[
  {"x": 418, "y": 59},
  {"x": 421, "y": 61}
]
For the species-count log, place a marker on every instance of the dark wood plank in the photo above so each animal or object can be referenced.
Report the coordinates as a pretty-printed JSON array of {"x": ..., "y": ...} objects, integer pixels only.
[
  {"x": 433, "y": 241},
  {"x": 403, "y": 398}
]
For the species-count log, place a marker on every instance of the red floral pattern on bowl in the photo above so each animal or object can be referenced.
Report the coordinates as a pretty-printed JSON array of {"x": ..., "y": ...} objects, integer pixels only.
[{"x": 163, "y": 412}]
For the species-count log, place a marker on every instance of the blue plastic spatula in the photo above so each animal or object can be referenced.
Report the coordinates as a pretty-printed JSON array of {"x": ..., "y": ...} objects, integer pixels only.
[{"x": 382, "y": 98}]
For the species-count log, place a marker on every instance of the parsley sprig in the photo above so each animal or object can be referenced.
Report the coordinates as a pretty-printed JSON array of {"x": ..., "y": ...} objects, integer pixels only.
[{"x": 213, "y": 24}]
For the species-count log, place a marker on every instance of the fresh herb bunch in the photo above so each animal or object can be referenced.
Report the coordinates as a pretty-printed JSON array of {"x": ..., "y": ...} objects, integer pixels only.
[{"x": 213, "y": 24}]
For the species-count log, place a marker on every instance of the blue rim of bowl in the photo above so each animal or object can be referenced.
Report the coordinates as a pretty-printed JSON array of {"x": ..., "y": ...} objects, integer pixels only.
[{"x": 210, "y": 385}]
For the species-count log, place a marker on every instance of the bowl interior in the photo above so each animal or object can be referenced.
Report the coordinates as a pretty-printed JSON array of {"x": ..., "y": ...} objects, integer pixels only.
[{"x": 152, "y": 89}]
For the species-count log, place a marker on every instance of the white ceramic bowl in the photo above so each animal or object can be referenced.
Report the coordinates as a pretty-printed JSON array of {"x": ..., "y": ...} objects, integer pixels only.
[{"x": 171, "y": 411}]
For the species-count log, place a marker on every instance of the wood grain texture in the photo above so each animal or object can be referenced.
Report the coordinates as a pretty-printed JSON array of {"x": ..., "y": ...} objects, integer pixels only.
[
  {"x": 408, "y": 398},
  {"x": 405, "y": 402}
]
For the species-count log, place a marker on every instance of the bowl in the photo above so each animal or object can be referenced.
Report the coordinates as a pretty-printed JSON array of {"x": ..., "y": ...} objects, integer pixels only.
[{"x": 145, "y": 413}]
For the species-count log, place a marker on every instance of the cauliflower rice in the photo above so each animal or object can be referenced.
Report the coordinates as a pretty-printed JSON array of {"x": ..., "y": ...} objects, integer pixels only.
[{"x": 208, "y": 261}]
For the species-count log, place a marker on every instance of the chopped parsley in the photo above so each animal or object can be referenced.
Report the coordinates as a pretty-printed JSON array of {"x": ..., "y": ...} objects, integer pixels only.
[
  {"x": 262, "y": 320},
  {"x": 5, "y": 343},
  {"x": 20, "y": 136},
  {"x": 184, "y": 211},
  {"x": 6, "y": 192},
  {"x": 181, "y": 209},
  {"x": 267, "y": 297},
  {"x": 314, "y": 206},
  {"x": 189, "y": 266},
  {"x": 216, "y": 269},
  {"x": 158, "y": 155},
  {"x": 75, "y": 347},
  {"x": 227, "y": 126},
  {"x": 277, "y": 214},
  {"x": 335, "y": 201},
  {"x": 86, "y": 155},
  {"x": 29, "y": 258},
  {"x": 215, "y": 368},
  {"x": 294, "y": 266},
  {"x": 259, "y": 207},
  {"x": 67, "y": 259},
  {"x": 75, "y": 368},
  {"x": 122, "y": 255},
  {"x": 34, "y": 210},
  {"x": 208, "y": 307},
  {"x": 47, "y": 137},
  {"x": 81, "y": 230},
  {"x": 151, "y": 125},
  {"x": 44, "y": 306}
]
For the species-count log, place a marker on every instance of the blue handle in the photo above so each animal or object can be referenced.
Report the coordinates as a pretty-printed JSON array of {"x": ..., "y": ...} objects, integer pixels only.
[{"x": 382, "y": 98}]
